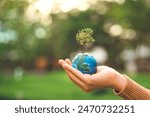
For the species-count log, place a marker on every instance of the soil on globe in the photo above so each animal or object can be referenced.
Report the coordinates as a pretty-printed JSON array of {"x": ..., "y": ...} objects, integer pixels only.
[{"x": 85, "y": 63}]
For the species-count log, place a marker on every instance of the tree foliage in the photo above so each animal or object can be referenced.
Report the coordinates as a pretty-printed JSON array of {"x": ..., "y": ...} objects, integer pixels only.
[
  {"x": 84, "y": 37},
  {"x": 24, "y": 41}
]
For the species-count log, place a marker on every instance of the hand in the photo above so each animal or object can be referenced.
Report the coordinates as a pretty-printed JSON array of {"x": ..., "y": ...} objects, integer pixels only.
[{"x": 105, "y": 77}]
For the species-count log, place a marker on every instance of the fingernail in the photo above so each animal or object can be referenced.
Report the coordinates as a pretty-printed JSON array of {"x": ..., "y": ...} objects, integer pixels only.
[
  {"x": 66, "y": 59},
  {"x": 60, "y": 60}
]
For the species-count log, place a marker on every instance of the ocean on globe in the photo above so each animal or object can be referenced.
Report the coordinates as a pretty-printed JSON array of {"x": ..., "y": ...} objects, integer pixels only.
[{"x": 85, "y": 63}]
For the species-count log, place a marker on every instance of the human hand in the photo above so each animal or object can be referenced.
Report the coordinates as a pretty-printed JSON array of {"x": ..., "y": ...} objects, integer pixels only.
[{"x": 105, "y": 77}]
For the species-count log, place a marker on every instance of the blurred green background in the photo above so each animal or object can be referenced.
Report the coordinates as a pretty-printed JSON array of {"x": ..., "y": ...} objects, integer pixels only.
[{"x": 34, "y": 34}]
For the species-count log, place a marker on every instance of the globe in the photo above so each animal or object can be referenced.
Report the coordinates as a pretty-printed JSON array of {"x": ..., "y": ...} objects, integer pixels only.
[{"x": 85, "y": 63}]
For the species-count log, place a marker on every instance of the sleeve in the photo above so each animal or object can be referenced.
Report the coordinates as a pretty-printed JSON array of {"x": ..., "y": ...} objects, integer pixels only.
[{"x": 133, "y": 91}]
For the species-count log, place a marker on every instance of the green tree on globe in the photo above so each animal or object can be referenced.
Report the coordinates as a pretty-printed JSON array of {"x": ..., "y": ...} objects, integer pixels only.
[{"x": 83, "y": 61}]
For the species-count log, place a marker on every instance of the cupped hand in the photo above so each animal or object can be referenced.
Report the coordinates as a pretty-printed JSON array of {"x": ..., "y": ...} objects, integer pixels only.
[{"x": 105, "y": 77}]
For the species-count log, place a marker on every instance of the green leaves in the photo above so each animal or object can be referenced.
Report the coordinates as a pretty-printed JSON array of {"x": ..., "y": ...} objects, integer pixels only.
[{"x": 84, "y": 37}]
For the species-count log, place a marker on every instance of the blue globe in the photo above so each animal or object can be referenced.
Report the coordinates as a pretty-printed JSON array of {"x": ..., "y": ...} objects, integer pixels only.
[{"x": 85, "y": 63}]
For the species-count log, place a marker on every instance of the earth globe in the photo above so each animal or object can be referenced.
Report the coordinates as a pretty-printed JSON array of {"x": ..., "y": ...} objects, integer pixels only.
[{"x": 85, "y": 63}]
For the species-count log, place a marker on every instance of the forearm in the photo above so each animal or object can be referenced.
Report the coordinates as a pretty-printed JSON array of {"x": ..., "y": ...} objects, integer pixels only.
[{"x": 133, "y": 91}]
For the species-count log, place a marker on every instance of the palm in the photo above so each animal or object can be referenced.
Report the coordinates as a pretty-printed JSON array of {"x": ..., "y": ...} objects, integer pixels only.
[{"x": 102, "y": 78}]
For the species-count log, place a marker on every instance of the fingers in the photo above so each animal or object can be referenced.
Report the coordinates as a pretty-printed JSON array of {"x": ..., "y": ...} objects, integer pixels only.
[
  {"x": 75, "y": 72},
  {"x": 61, "y": 62},
  {"x": 71, "y": 72},
  {"x": 68, "y": 61},
  {"x": 75, "y": 80},
  {"x": 84, "y": 86},
  {"x": 74, "y": 75},
  {"x": 78, "y": 75}
]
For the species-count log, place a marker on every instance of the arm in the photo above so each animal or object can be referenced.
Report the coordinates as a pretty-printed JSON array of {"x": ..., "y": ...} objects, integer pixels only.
[
  {"x": 133, "y": 91},
  {"x": 106, "y": 77}
]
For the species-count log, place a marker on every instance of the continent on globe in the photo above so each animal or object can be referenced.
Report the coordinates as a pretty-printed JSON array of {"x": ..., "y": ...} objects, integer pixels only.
[{"x": 85, "y": 63}]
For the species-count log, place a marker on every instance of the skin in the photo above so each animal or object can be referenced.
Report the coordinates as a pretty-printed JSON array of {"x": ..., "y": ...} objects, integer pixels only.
[{"x": 105, "y": 77}]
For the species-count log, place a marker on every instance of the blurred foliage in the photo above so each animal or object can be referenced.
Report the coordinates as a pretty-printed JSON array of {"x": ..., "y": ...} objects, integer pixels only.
[{"x": 30, "y": 39}]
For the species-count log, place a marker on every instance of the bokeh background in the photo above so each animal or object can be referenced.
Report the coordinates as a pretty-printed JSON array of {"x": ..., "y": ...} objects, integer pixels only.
[{"x": 34, "y": 34}]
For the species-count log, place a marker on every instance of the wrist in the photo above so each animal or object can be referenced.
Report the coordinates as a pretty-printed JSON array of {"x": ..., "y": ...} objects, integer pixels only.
[{"x": 120, "y": 82}]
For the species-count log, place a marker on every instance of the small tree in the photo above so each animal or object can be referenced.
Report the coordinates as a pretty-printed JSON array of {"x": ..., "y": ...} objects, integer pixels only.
[{"x": 84, "y": 38}]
